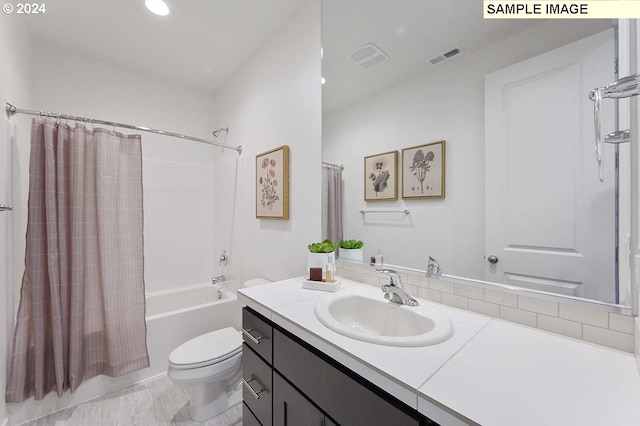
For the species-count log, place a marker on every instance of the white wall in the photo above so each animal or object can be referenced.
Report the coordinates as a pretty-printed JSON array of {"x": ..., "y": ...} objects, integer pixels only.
[
  {"x": 274, "y": 100},
  {"x": 178, "y": 174},
  {"x": 15, "y": 80},
  {"x": 446, "y": 103}
]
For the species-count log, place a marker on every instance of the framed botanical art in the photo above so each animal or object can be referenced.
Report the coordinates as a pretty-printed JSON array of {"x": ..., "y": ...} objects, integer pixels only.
[
  {"x": 381, "y": 177},
  {"x": 423, "y": 171},
  {"x": 272, "y": 184}
]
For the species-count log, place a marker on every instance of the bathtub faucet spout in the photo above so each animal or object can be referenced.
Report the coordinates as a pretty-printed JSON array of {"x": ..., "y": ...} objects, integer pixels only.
[{"x": 217, "y": 280}]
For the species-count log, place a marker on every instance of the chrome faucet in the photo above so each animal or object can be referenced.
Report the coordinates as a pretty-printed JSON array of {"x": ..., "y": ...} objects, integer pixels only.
[
  {"x": 433, "y": 268},
  {"x": 394, "y": 291},
  {"x": 224, "y": 258},
  {"x": 216, "y": 280}
]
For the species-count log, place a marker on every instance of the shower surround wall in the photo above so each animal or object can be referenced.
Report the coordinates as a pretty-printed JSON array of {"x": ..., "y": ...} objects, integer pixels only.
[
  {"x": 178, "y": 174},
  {"x": 15, "y": 82}
]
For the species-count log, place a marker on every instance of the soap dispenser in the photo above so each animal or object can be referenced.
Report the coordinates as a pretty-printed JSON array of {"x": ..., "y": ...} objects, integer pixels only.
[
  {"x": 331, "y": 270},
  {"x": 379, "y": 258}
]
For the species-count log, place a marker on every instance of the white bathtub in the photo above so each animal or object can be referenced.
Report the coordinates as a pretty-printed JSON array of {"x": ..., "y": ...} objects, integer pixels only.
[
  {"x": 173, "y": 317},
  {"x": 176, "y": 301}
]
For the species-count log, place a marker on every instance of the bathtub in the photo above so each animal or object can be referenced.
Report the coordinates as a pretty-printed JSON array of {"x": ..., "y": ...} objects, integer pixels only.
[
  {"x": 177, "y": 315},
  {"x": 173, "y": 317}
]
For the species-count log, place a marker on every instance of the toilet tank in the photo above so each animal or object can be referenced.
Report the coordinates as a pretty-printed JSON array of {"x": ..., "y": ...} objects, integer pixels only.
[{"x": 254, "y": 282}]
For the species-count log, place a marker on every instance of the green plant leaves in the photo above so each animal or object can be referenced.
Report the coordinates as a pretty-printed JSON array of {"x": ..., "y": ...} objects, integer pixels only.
[
  {"x": 326, "y": 246},
  {"x": 350, "y": 244}
]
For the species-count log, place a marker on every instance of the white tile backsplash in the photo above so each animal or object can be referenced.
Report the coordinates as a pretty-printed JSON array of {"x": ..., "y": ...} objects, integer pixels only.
[
  {"x": 621, "y": 323},
  {"x": 486, "y": 308},
  {"x": 453, "y": 300},
  {"x": 501, "y": 298},
  {"x": 439, "y": 285},
  {"x": 518, "y": 315},
  {"x": 613, "y": 339},
  {"x": 469, "y": 291},
  {"x": 370, "y": 279},
  {"x": 560, "y": 326},
  {"x": 585, "y": 315},
  {"x": 418, "y": 280},
  {"x": 541, "y": 306},
  {"x": 594, "y": 325},
  {"x": 433, "y": 295}
]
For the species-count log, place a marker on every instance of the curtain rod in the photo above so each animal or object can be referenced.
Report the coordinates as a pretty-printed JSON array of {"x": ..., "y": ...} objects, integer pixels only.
[
  {"x": 12, "y": 110},
  {"x": 340, "y": 166}
]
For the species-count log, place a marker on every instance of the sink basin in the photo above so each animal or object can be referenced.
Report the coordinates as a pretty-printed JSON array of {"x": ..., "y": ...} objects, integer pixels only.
[{"x": 379, "y": 321}]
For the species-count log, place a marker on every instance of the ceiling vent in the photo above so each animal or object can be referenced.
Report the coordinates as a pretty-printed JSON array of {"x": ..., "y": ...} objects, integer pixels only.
[
  {"x": 446, "y": 55},
  {"x": 368, "y": 55}
]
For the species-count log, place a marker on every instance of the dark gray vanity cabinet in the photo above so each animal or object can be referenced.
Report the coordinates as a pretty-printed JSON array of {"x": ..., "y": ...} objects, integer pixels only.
[
  {"x": 257, "y": 391},
  {"x": 257, "y": 374},
  {"x": 301, "y": 386},
  {"x": 291, "y": 408}
]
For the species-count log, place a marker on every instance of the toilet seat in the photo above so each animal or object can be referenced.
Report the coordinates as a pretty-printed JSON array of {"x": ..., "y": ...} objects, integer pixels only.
[{"x": 207, "y": 349}]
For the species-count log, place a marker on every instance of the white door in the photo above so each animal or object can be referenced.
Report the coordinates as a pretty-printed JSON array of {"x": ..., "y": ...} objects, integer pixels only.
[{"x": 549, "y": 220}]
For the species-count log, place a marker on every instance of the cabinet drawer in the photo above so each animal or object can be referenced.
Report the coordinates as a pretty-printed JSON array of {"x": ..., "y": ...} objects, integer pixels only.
[
  {"x": 257, "y": 390},
  {"x": 248, "y": 419},
  {"x": 257, "y": 333},
  {"x": 334, "y": 391}
]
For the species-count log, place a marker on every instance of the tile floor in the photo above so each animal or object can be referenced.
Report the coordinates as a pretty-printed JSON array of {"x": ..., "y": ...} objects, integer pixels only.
[{"x": 156, "y": 402}]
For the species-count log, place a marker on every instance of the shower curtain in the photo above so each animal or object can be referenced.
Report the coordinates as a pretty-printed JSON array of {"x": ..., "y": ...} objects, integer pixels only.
[
  {"x": 82, "y": 306},
  {"x": 331, "y": 203}
]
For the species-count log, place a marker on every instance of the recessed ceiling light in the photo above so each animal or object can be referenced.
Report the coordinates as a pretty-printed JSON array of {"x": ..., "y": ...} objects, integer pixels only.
[
  {"x": 323, "y": 80},
  {"x": 158, "y": 7}
]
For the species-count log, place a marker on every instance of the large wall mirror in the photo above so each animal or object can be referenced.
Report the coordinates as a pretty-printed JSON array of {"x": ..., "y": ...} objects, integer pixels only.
[{"x": 523, "y": 203}]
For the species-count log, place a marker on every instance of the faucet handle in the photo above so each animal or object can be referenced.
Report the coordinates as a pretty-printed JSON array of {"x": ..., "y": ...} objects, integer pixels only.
[
  {"x": 394, "y": 277},
  {"x": 433, "y": 268}
]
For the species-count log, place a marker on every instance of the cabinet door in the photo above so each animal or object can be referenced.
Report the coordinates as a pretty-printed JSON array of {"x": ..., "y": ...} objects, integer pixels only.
[
  {"x": 290, "y": 408},
  {"x": 349, "y": 401},
  {"x": 248, "y": 419}
]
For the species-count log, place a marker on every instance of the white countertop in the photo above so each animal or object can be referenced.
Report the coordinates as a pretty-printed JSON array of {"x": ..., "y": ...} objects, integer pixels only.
[{"x": 490, "y": 372}]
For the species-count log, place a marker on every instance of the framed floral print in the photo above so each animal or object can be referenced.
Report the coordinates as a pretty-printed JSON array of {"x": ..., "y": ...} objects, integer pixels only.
[
  {"x": 381, "y": 177},
  {"x": 423, "y": 171},
  {"x": 272, "y": 184}
]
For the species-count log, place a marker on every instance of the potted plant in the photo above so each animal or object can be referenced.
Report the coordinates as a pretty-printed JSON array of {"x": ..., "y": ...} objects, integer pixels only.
[
  {"x": 321, "y": 253},
  {"x": 351, "y": 249}
]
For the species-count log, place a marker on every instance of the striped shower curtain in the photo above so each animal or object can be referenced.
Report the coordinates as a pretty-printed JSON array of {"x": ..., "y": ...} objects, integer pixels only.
[
  {"x": 331, "y": 203},
  {"x": 82, "y": 306}
]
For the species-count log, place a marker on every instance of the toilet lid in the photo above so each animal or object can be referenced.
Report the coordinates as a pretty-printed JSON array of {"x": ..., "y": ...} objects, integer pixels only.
[{"x": 207, "y": 349}]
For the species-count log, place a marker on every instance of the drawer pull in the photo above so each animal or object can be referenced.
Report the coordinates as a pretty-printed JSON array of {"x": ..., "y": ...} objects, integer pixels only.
[
  {"x": 246, "y": 384},
  {"x": 251, "y": 337}
]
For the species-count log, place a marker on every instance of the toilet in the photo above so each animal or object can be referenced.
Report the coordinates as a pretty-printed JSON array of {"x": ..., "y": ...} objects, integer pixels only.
[{"x": 208, "y": 367}]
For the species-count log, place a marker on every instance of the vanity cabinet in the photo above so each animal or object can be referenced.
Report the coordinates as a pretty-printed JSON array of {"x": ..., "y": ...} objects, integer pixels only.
[
  {"x": 306, "y": 387},
  {"x": 291, "y": 408}
]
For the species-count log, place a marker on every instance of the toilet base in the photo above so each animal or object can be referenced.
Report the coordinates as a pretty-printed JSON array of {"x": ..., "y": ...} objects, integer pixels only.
[{"x": 207, "y": 401}]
